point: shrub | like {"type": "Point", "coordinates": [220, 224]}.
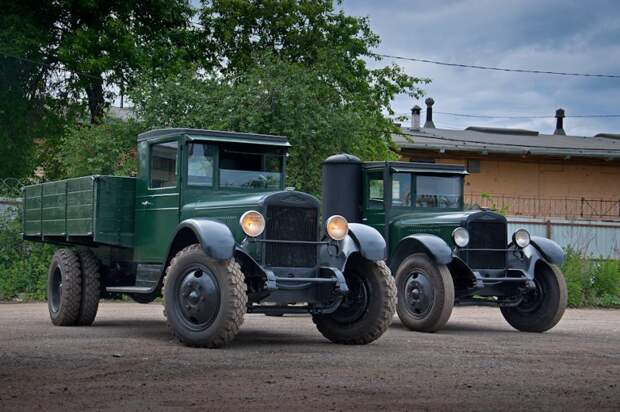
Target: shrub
{"type": "Point", "coordinates": [23, 264]}
{"type": "Point", "coordinates": [591, 282]}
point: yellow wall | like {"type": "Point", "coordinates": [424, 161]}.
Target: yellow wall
{"type": "Point", "coordinates": [537, 177]}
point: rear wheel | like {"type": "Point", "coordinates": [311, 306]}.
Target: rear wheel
{"type": "Point", "coordinates": [204, 299]}
{"type": "Point", "coordinates": [64, 288]}
{"type": "Point", "coordinates": [425, 293]}
{"type": "Point", "coordinates": [543, 307]}
{"type": "Point", "coordinates": [91, 290]}
{"type": "Point", "coordinates": [367, 310]}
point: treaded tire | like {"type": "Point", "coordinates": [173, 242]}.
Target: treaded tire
{"type": "Point", "coordinates": [547, 313]}
{"type": "Point", "coordinates": [378, 314]}
{"type": "Point", "coordinates": [443, 294]}
{"type": "Point", "coordinates": [232, 299]}
{"type": "Point", "coordinates": [91, 287]}
{"type": "Point", "coordinates": [64, 298]}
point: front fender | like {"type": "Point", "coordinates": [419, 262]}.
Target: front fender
{"type": "Point", "coordinates": [361, 239]}
{"type": "Point", "coordinates": [369, 241]}
{"type": "Point", "coordinates": [432, 245]}
{"type": "Point", "coordinates": [550, 250]}
{"type": "Point", "coordinates": [215, 237]}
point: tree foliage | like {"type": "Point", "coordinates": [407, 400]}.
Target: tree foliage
{"type": "Point", "coordinates": [293, 68]}
{"type": "Point", "coordinates": [88, 49]}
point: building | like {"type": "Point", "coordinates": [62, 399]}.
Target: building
{"type": "Point", "coordinates": [524, 172]}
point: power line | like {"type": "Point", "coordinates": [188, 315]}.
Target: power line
{"type": "Point", "coordinates": [499, 69]}
{"type": "Point", "coordinates": [484, 116]}
{"type": "Point", "coordinates": [41, 63]}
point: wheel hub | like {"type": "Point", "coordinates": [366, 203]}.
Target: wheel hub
{"type": "Point", "coordinates": [199, 297]}
{"type": "Point", "coordinates": [419, 294]}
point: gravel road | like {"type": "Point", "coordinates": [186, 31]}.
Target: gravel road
{"type": "Point", "coordinates": [127, 361]}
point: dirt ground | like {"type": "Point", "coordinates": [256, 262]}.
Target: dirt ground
{"type": "Point", "coordinates": [127, 361]}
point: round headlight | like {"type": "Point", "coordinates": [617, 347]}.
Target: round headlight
{"type": "Point", "coordinates": [460, 235]}
{"type": "Point", "coordinates": [337, 227]}
{"type": "Point", "coordinates": [252, 223]}
{"type": "Point", "coordinates": [521, 238]}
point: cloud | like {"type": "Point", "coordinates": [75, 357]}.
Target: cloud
{"type": "Point", "coordinates": [552, 35]}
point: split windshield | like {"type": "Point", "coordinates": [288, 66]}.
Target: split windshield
{"type": "Point", "coordinates": [238, 166]}
{"type": "Point", "coordinates": [426, 191]}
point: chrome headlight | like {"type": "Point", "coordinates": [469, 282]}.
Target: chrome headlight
{"type": "Point", "coordinates": [460, 235]}
{"type": "Point", "coordinates": [337, 227]}
{"type": "Point", "coordinates": [521, 238]}
{"type": "Point", "coordinates": [252, 223]}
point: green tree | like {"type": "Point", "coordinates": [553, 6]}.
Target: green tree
{"type": "Point", "coordinates": [275, 97]}
{"type": "Point", "coordinates": [88, 49]}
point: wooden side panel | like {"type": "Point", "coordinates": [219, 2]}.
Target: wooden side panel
{"type": "Point", "coordinates": [32, 210]}
{"type": "Point", "coordinates": [80, 206]}
{"type": "Point", "coordinates": [53, 210]}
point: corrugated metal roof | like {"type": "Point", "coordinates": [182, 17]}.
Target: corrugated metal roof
{"type": "Point", "coordinates": [518, 144]}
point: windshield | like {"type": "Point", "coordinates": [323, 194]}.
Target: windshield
{"type": "Point", "coordinates": [243, 168]}
{"type": "Point", "coordinates": [426, 191]}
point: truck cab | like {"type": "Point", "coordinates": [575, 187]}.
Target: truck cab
{"type": "Point", "coordinates": [443, 252]}
{"type": "Point", "coordinates": [209, 225]}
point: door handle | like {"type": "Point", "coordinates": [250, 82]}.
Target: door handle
{"type": "Point", "coordinates": [146, 203]}
{"type": "Point", "coordinates": [364, 219]}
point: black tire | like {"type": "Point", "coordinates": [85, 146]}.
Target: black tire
{"type": "Point", "coordinates": [367, 310]}
{"type": "Point", "coordinates": [425, 293]}
{"type": "Point", "coordinates": [64, 288]}
{"type": "Point", "coordinates": [543, 308]}
{"type": "Point", "coordinates": [204, 299]}
{"type": "Point", "coordinates": [91, 287]}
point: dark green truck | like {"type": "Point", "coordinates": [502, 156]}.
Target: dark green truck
{"type": "Point", "coordinates": [209, 224]}
{"type": "Point", "coordinates": [442, 253]}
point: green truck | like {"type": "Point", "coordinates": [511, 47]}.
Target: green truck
{"type": "Point", "coordinates": [442, 253]}
{"type": "Point", "coordinates": [209, 224]}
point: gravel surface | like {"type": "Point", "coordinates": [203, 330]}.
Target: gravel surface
{"type": "Point", "coordinates": [127, 361]}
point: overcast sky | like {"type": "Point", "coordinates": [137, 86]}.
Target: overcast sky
{"type": "Point", "coordinates": [575, 36]}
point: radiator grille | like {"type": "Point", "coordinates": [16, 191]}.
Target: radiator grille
{"type": "Point", "coordinates": [291, 223]}
{"type": "Point", "coordinates": [486, 235]}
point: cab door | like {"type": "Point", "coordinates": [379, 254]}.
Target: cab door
{"type": "Point", "coordinates": [157, 199]}
{"type": "Point", "coordinates": [373, 210]}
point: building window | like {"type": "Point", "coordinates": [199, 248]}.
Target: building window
{"type": "Point", "coordinates": [473, 165]}
{"type": "Point", "coordinates": [163, 165]}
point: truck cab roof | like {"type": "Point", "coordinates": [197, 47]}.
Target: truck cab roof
{"type": "Point", "coordinates": [417, 167]}
{"type": "Point", "coordinates": [215, 135]}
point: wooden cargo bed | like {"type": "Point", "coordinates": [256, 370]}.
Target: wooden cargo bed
{"type": "Point", "coordinates": [85, 210]}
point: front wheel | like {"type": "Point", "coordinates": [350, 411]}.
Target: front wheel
{"type": "Point", "coordinates": [367, 310]}
{"type": "Point", "coordinates": [425, 293]}
{"type": "Point", "coordinates": [204, 299]}
{"type": "Point", "coordinates": [543, 307]}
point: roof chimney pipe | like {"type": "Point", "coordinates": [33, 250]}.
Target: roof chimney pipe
{"type": "Point", "coordinates": [415, 117]}
{"type": "Point", "coordinates": [559, 123]}
{"type": "Point", "coordinates": [429, 113]}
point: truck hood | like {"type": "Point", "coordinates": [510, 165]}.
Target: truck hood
{"type": "Point", "coordinates": [454, 218]}
{"type": "Point", "coordinates": [224, 201]}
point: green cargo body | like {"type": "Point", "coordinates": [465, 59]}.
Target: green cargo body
{"type": "Point", "coordinates": [85, 210]}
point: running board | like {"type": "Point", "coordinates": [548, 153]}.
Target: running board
{"type": "Point", "coordinates": [129, 289]}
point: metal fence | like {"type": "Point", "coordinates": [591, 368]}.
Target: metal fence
{"type": "Point", "coordinates": [594, 238]}
{"type": "Point", "coordinates": [10, 188]}
{"type": "Point", "coordinates": [566, 208]}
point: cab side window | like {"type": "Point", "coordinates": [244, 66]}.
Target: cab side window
{"type": "Point", "coordinates": [200, 164]}
{"type": "Point", "coordinates": [163, 165]}
{"type": "Point", "coordinates": [375, 193]}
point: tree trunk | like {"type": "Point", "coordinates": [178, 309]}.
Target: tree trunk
{"type": "Point", "coordinates": [96, 101]}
